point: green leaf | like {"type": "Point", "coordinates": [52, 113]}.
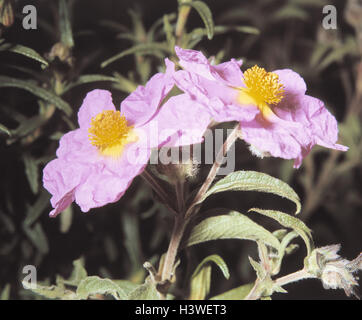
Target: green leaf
{"type": "Point", "coordinates": [146, 291]}
{"type": "Point", "coordinates": [66, 219]}
{"type": "Point", "coordinates": [78, 274]}
{"type": "Point", "coordinates": [254, 181]}
{"type": "Point", "coordinates": [349, 47]}
{"type": "Point", "coordinates": [218, 261]}
{"type": "Point", "coordinates": [205, 14]}
{"type": "Point", "coordinates": [96, 285]}
{"type": "Point", "coordinates": [126, 285]}
{"type": "Point", "coordinates": [310, 3]}
{"type": "Point", "coordinates": [154, 48]}
{"type": "Point", "coordinates": [201, 278]}
{"type": "Point", "coordinates": [286, 248]}
{"type": "Point", "coordinates": [132, 243]}
{"type": "Point", "coordinates": [4, 129]}
{"type": "Point", "coordinates": [88, 78]}
{"type": "Point", "coordinates": [26, 126]}
{"type": "Point", "coordinates": [37, 237]}
{"type": "Point", "coordinates": [195, 36]}
{"type": "Point", "coordinates": [152, 30]}
{"type": "Point", "coordinates": [288, 221]}
{"type": "Point", "coordinates": [235, 226]}
{"type": "Point", "coordinates": [200, 284]}
{"type": "Point", "coordinates": [167, 28]}
{"type": "Point", "coordinates": [35, 211]}
{"type": "Point", "coordinates": [7, 222]}
{"type": "Point", "coordinates": [38, 91]}
{"type": "Point", "coordinates": [260, 271]}
{"type": "Point", "coordinates": [238, 293]}
{"type": "Point", "coordinates": [5, 293]}
{"type": "Point", "coordinates": [31, 171]}
{"type": "Point", "coordinates": [52, 292]}
{"type": "Point", "coordinates": [291, 12]}
{"type": "Point", "coordinates": [65, 28]}
{"type": "Point", "coordinates": [6, 13]}
{"type": "Point", "coordinates": [200, 32]}
{"type": "Point", "coordinates": [319, 51]}
{"type": "Point", "coordinates": [124, 84]}
{"type": "Point", "coordinates": [25, 51]}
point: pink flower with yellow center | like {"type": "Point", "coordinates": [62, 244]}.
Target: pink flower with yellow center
{"type": "Point", "coordinates": [97, 162]}
{"type": "Point", "coordinates": [276, 117]}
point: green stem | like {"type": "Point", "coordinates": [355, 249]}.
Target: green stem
{"type": "Point", "coordinates": [257, 291]}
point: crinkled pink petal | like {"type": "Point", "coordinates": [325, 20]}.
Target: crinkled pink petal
{"type": "Point", "coordinates": [61, 178]}
{"type": "Point", "coordinates": [194, 61]}
{"type": "Point", "coordinates": [104, 186]}
{"type": "Point", "coordinates": [282, 141]}
{"type": "Point", "coordinates": [83, 174]}
{"type": "Point", "coordinates": [296, 124]}
{"type": "Point", "coordinates": [229, 73]}
{"type": "Point", "coordinates": [220, 100]}
{"type": "Point", "coordinates": [142, 104]}
{"type": "Point", "coordinates": [293, 83]}
{"type": "Point", "coordinates": [75, 146]}
{"type": "Point", "coordinates": [92, 180]}
{"type": "Point", "coordinates": [95, 102]}
{"type": "Point", "coordinates": [315, 118]}
{"type": "Point", "coordinates": [180, 121]}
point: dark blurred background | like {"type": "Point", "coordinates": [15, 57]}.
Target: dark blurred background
{"type": "Point", "coordinates": [115, 240]}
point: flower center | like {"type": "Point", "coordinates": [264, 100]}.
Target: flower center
{"type": "Point", "coordinates": [110, 132]}
{"type": "Point", "coordinates": [261, 87]}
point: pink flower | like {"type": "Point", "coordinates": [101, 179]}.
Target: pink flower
{"type": "Point", "coordinates": [97, 162]}
{"type": "Point", "coordinates": [276, 117]}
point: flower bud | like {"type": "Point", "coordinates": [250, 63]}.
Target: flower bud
{"type": "Point", "coordinates": [6, 13]}
{"type": "Point", "coordinates": [334, 271]}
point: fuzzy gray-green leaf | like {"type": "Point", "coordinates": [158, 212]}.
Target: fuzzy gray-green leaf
{"type": "Point", "coordinates": [96, 285]}
{"type": "Point", "coordinates": [236, 226]}
{"type": "Point", "coordinates": [218, 261]}
{"type": "Point", "coordinates": [201, 278]}
{"type": "Point", "coordinates": [38, 237]}
{"type": "Point", "coordinates": [66, 34]}
{"type": "Point", "coordinates": [5, 293]}
{"type": "Point", "coordinates": [78, 274]}
{"type": "Point", "coordinates": [4, 129]}
{"type": "Point", "coordinates": [143, 48]}
{"type": "Point", "coordinates": [205, 14]}
{"type": "Point", "coordinates": [89, 78]}
{"type": "Point", "coordinates": [254, 181]}
{"type": "Point", "coordinates": [25, 51]}
{"type": "Point", "coordinates": [34, 212]}
{"type": "Point", "coordinates": [31, 171]}
{"type": "Point", "coordinates": [146, 291]}
{"type": "Point", "coordinates": [288, 221]}
{"type": "Point", "coordinates": [36, 90]}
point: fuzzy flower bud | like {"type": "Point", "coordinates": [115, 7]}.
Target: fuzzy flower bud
{"type": "Point", "coordinates": [334, 271]}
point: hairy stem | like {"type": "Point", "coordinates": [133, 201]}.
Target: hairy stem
{"type": "Point", "coordinates": [214, 169]}
{"type": "Point", "coordinates": [177, 233]}
{"type": "Point", "coordinates": [179, 186]}
{"type": "Point", "coordinates": [293, 277]}
{"type": "Point", "coordinates": [257, 291]}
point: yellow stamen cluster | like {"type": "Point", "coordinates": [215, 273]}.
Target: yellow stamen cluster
{"type": "Point", "coordinates": [109, 130]}
{"type": "Point", "coordinates": [264, 87]}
